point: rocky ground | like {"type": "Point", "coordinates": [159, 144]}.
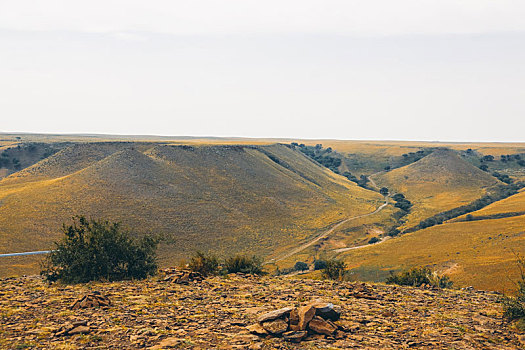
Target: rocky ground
{"type": "Point", "coordinates": [216, 313]}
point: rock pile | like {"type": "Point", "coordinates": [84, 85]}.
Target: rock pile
{"type": "Point", "coordinates": [94, 299]}
{"type": "Point", "coordinates": [182, 276]}
{"type": "Point", "coordinates": [295, 324]}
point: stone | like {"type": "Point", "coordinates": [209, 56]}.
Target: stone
{"type": "Point", "coordinates": [294, 337]}
{"type": "Point", "coordinates": [327, 311]}
{"type": "Point", "coordinates": [94, 299]}
{"type": "Point", "coordinates": [321, 326]}
{"type": "Point", "coordinates": [257, 329]}
{"type": "Point", "coordinates": [306, 313]}
{"type": "Point", "coordinates": [275, 327]}
{"type": "Point", "coordinates": [272, 315]}
{"type": "Point", "coordinates": [167, 343]}
{"type": "Point", "coordinates": [294, 317]}
{"type": "Point", "coordinates": [79, 330]}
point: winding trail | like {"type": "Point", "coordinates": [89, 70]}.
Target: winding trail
{"type": "Point", "coordinates": [326, 233]}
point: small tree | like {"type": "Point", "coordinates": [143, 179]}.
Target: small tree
{"type": "Point", "coordinates": [95, 250]}
{"type": "Point", "coordinates": [319, 264]}
{"type": "Point", "coordinates": [334, 270]}
{"type": "Point", "coordinates": [383, 191]}
{"type": "Point", "coordinates": [300, 266]}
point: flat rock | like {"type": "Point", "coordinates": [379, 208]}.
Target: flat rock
{"type": "Point", "coordinates": [272, 315]}
{"type": "Point", "coordinates": [167, 343]}
{"type": "Point", "coordinates": [294, 336]}
{"type": "Point", "coordinates": [276, 327]}
{"type": "Point", "coordinates": [320, 326]}
{"type": "Point", "coordinates": [79, 330]}
{"type": "Point", "coordinates": [257, 329]}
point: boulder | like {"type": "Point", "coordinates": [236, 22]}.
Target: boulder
{"type": "Point", "coordinates": [306, 314]}
{"type": "Point", "coordinates": [327, 311]}
{"type": "Point", "coordinates": [321, 326]}
{"type": "Point", "coordinates": [272, 315]}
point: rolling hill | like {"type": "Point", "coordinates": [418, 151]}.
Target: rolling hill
{"type": "Point", "coordinates": [438, 182]}
{"type": "Point", "coordinates": [255, 199]}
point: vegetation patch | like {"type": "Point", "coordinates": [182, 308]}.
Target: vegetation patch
{"type": "Point", "coordinates": [498, 193]}
{"type": "Point", "coordinates": [419, 276]}
{"type": "Point", "coordinates": [99, 250]}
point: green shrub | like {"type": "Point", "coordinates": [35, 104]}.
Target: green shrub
{"type": "Point", "coordinates": [334, 270]}
{"type": "Point", "coordinates": [204, 264]}
{"type": "Point", "coordinates": [99, 250]}
{"type": "Point", "coordinates": [514, 307]}
{"type": "Point", "coordinates": [244, 264]}
{"type": "Point", "coordinates": [319, 264]}
{"type": "Point", "coordinates": [300, 266]}
{"type": "Point", "coordinates": [373, 240]}
{"type": "Point", "coordinates": [418, 276]}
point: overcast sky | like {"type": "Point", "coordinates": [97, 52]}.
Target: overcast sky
{"type": "Point", "coordinates": [449, 70]}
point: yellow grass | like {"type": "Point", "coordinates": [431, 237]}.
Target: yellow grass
{"type": "Point", "coordinates": [477, 253]}
{"type": "Point", "coordinates": [223, 199]}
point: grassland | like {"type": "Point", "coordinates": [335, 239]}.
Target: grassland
{"type": "Point", "coordinates": [261, 197]}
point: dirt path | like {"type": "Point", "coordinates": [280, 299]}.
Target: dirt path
{"type": "Point", "coordinates": [326, 233]}
{"type": "Point", "coordinates": [341, 250]}
{"type": "Point", "coordinates": [26, 253]}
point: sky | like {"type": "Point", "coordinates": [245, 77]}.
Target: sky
{"type": "Point", "coordinates": [443, 70]}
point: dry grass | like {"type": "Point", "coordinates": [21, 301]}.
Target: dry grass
{"type": "Point", "coordinates": [478, 253]}
{"type": "Point", "coordinates": [226, 199]}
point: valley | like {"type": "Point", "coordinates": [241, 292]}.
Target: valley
{"type": "Point", "coordinates": [283, 200]}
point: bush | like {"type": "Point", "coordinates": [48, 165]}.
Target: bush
{"type": "Point", "coordinates": [418, 276]}
{"type": "Point", "coordinates": [300, 266]}
{"type": "Point", "coordinates": [244, 264]}
{"type": "Point", "coordinates": [319, 264]}
{"type": "Point", "coordinates": [514, 307]}
{"type": "Point", "coordinates": [99, 250]}
{"type": "Point", "coordinates": [334, 270]}
{"type": "Point", "coordinates": [204, 264]}
{"type": "Point", "coordinates": [373, 240]}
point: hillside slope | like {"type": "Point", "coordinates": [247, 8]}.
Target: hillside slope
{"type": "Point", "coordinates": [255, 199]}
{"type": "Point", "coordinates": [438, 182]}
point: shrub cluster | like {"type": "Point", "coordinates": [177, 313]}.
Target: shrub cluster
{"type": "Point", "coordinates": [419, 276]}
{"type": "Point", "coordinates": [514, 307]}
{"type": "Point", "coordinates": [204, 264]}
{"type": "Point", "coordinates": [244, 264]}
{"type": "Point", "coordinates": [99, 250]}
{"type": "Point", "coordinates": [208, 264]}
{"type": "Point", "coordinates": [334, 269]}
{"type": "Point", "coordinates": [324, 156]}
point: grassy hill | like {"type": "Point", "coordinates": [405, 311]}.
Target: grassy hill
{"type": "Point", "coordinates": [438, 182]}
{"type": "Point", "coordinates": [255, 199]}
{"type": "Point", "coordinates": [481, 252]}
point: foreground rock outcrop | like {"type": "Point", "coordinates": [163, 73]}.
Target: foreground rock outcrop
{"type": "Point", "coordinates": [294, 324]}
{"type": "Point", "coordinates": [245, 312]}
